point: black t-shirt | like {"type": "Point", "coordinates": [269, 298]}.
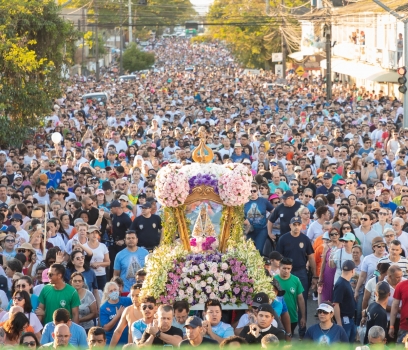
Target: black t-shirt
{"type": "Point", "coordinates": [376, 316]}
{"type": "Point", "coordinates": [285, 214]}
{"type": "Point", "coordinates": [158, 341]}
{"type": "Point", "coordinates": [252, 340]}
{"type": "Point", "coordinates": [205, 342]}
{"type": "Point", "coordinates": [120, 224]}
{"type": "Point", "coordinates": [296, 248]}
{"type": "Point", "coordinates": [344, 296]}
{"type": "Point", "coordinates": [312, 186]}
{"type": "Point", "coordinates": [147, 230]}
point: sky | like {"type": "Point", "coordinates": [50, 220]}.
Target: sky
{"type": "Point", "coordinates": [201, 5]}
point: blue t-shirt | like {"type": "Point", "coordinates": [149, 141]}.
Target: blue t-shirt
{"type": "Point", "coordinates": [336, 334]}
{"type": "Point", "coordinates": [54, 179]}
{"type": "Point", "coordinates": [34, 302]}
{"type": "Point", "coordinates": [89, 276]}
{"type": "Point", "coordinates": [78, 335]}
{"type": "Point", "coordinates": [94, 163]}
{"type": "Point", "coordinates": [390, 205]}
{"type": "Point", "coordinates": [108, 312]}
{"type": "Point", "coordinates": [255, 212]}
{"type": "Point", "coordinates": [223, 330]}
{"type": "Point", "coordinates": [128, 263]}
{"type": "Point", "coordinates": [283, 185]}
{"type": "Point", "coordinates": [238, 158]}
{"type": "Point", "coordinates": [138, 327]}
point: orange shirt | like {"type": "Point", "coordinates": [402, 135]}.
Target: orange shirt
{"type": "Point", "coordinates": [28, 329]}
{"type": "Point", "coordinates": [319, 258]}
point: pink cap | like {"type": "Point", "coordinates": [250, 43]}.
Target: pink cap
{"type": "Point", "coordinates": [273, 196]}
{"type": "Point", "coordinates": [98, 191]}
{"type": "Point", "coordinates": [122, 154]}
{"type": "Point", "coordinates": [45, 276]}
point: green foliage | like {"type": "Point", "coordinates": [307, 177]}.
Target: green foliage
{"type": "Point", "coordinates": [34, 48]}
{"type": "Point", "coordinates": [253, 36]}
{"type": "Point", "coordinates": [135, 59]}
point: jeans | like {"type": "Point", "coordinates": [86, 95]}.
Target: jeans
{"type": "Point", "coordinates": [101, 280]}
{"type": "Point", "coordinates": [259, 236]}
{"type": "Point", "coordinates": [350, 329]}
{"type": "Point", "coordinates": [401, 334]}
{"type": "Point", "coordinates": [359, 309]}
{"type": "Point", "coordinates": [304, 279]}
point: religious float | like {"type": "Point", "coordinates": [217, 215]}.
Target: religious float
{"type": "Point", "coordinates": [204, 254]}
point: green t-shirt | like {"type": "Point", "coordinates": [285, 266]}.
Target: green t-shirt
{"type": "Point", "coordinates": [53, 299]}
{"type": "Point", "coordinates": [293, 288]}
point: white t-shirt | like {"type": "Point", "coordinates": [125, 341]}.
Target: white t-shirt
{"type": "Point", "coordinates": [3, 300]}
{"type": "Point", "coordinates": [98, 256]}
{"type": "Point", "coordinates": [315, 230]}
{"type": "Point", "coordinates": [22, 234]}
{"type": "Point", "coordinates": [339, 257]}
{"type": "Point", "coordinates": [32, 317]}
{"type": "Point", "coordinates": [57, 241]}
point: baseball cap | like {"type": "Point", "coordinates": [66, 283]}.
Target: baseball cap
{"type": "Point", "coordinates": [45, 276]}
{"type": "Point", "coordinates": [401, 208]}
{"type": "Point", "coordinates": [326, 235]}
{"type": "Point", "coordinates": [348, 237]}
{"type": "Point", "coordinates": [12, 229]}
{"type": "Point", "coordinates": [277, 285]}
{"type": "Point", "coordinates": [325, 307]}
{"type": "Point", "coordinates": [246, 161]}
{"type": "Point", "coordinates": [399, 162]}
{"type": "Point", "coordinates": [273, 196]}
{"type": "Point", "coordinates": [259, 299]}
{"type": "Point", "coordinates": [287, 194]}
{"type": "Point", "coordinates": [266, 307]}
{"type": "Point", "coordinates": [348, 265]}
{"type": "Point", "coordinates": [115, 204]}
{"type": "Point", "coordinates": [147, 205]}
{"type": "Point", "coordinates": [385, 190]}
{"type": "Point", "coordinates": [93, 228]}
{"type": "Point", "coordinates": [295, 220]}
{"type": "Point", "coordinates": [193, 322]}
{"type": "Point", "coordinates": [266, 260]}
{"type": "Point", "coordinates": [124, 198]}
{"type": "Point", "coordinates": [327, 176]}
{"type": "Point", "coordinates": [375, 206]}
{"type": "Point", "coordinates": [99, 191]}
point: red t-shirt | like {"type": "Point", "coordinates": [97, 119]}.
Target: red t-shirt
{"type": "Point", "coordinates": [401, 293]}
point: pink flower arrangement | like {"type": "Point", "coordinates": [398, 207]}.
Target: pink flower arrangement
{"type": "Point", "coordinates": [235, 185]}
{"type": "Point", "coordinates": [203, 244]}
{"type": "Point", "coordinates": [199, 277]}
{"type": "Point", "coordinates": [172, 187]}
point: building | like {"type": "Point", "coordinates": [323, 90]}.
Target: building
{"type": "Point", "coordinates": [367, 43]}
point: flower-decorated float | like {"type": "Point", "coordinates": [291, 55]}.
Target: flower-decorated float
{"type": "Point", "coordinates": [203, 254]}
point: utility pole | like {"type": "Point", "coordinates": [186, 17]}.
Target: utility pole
{"type": "Point", "coordinates": [327, 28]}
{"type": "Point", "coordinates": [130, 21]}
{"type": "Point", "coordinates": [267, 7]}
{"type": "Point", "coordinates": [405, 48]}
{"type": "Point", "coordinates": [96, 44]}
{"type": "Point", "coordinates": [121, 39]}
{"type": "Point", "coordinates": [283, 45]}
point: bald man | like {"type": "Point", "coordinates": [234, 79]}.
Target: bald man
{"type": "Point", "coordinates": [61, 336]}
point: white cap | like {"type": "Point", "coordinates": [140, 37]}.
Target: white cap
{"type": "Point", "coordinates": [325, 307]}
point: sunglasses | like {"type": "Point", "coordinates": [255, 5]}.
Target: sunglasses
{"type": "Point", "coordinates": [364, 219]}
{"type": "Point", "coordinates": [350, 183]}
{"type": "Point", "coordinates": [308, 196]}
{"type": "Point", "coordinates": [343, 214]}
{"type": "Point", "coordinates": [333, 234]}
{"type": "Point", "coordinates": [150, 307]}
{"type": "Point", "coordinates": [21, 250]}
{"type": "Point", "coordinates": [21, 286]}
{"type": "Point", "coordinates": [277, 202]}
{"type": "Point", "coordinates": [254, 191]}
{"type": "Point", "coordinates": [322, 312]}
{"type": "Point", "coordinates": [9, 240]}
{"type": "Point", "coordinates": [18, 298]}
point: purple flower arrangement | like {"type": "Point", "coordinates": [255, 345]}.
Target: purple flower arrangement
{"type": "Point", "coordinates": [204, 179]}
{"type": "Point", "coordinates": [199, 277]}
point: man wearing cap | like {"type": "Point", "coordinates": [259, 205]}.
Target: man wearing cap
{"type": "Point", "coordinates": [376, 313]}
{"type": "Point", "coordinates": [120, 224]}
{"type": "Point", "coordinates": [254, 332]}
{"type": "Point", "coordinates": [298, 247]}
{"type": "Point", "coordinates": [237, 156]}
{"type": "Point", "coordinates": [195, 335]}
{"type": "Point", "coordinates": [148, 228]}
{"type": "Point", "coordinates": [326, 332]}
{"type": "Point", "coordinates": [124, 202]}
{"type": "Point", "coordinates": [284, 212]}
{"type": "Point", "coordinates": [385, 200]}
{"type": "Point", "coordinates": [327, 185]}
{"type": "Point", "coordinates": [344, 302]}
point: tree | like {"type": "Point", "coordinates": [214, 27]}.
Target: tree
{"type": "Point", "coordinates": [250, 33]}
{"type": "Point", "coordinates": [34, 46]}
{"type": "Point", "coordinates": [135, 59]}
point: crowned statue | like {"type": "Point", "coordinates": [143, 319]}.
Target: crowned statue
{"type": "Point", "coordinates": [203, 235]}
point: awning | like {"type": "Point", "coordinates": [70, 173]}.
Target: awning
{"type": "Point", "coordinates": [361, 70]}
{"type": "Point", "coordinates": [297, 56]}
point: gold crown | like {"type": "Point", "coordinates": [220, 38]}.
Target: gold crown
{"type": "Point", "coordinates": [203, 153]}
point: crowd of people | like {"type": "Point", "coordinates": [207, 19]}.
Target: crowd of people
{"type": "Point", "coordinates": [327, 211]}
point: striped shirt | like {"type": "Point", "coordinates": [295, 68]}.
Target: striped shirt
{"type": "Point", "coordinates": [402, 263]}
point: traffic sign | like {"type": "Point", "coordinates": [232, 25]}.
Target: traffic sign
{"type": "Point", "coordinates": [277, 57]}
{"type": "Point", "coordinates": [300, 71]}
